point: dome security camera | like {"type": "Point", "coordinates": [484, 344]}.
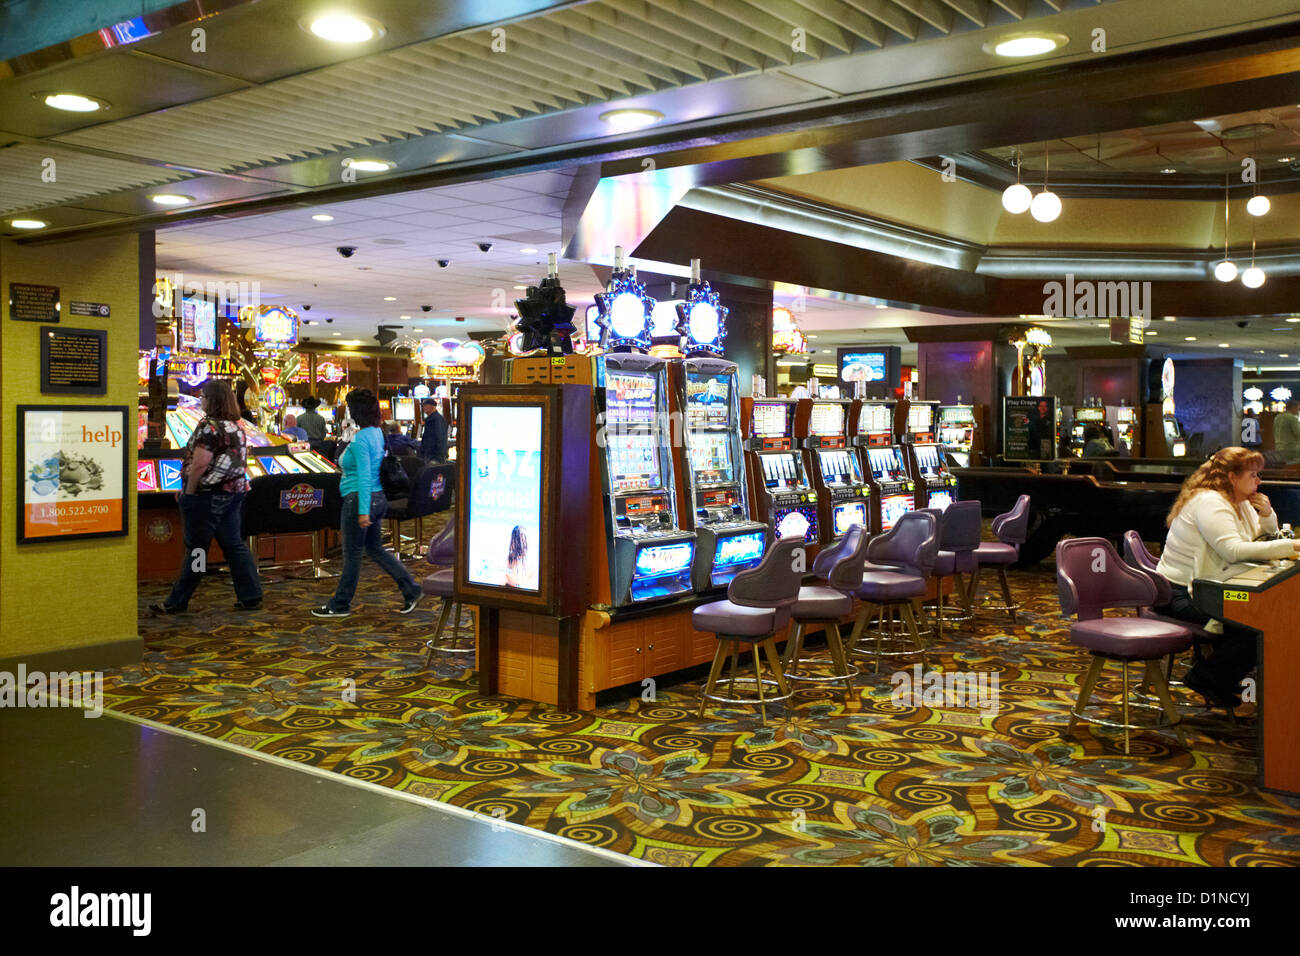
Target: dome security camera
{"type": "Point", "coordinates": [426, 308]}
{"type": "Point", "coordinates": [329, 320]}
{"type": "Point", "coordinates": [1242, 324]}
{"type": "Point", "coordinates": [484, 246]}
{"type": "Point", "coordinates": [347, 252]}
{"type": "Point", "coordinates": [444, 263]}
{"type": "Point", "coordinates": [306, 307]}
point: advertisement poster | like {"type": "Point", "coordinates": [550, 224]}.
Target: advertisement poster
{"type": "Point", "coordinates": [505, 496]}
{"type": "Point", "coordinates": [72, 471]}
{"type": "Point", "coordinates": [1029, 428]}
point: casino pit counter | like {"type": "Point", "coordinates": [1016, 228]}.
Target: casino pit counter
{"type": "Point", "coordinates": [158, 479]}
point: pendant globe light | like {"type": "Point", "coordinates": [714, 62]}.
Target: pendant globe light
{"type": "Point", "coordinates": [1253, 277]}
{"type": "Point", "coordinates": [1258, 205]}
{"type": "Point", "coordinates": [1017, 197]}
{"type": "Point", "coordinates": [1226, 270]}
{"type": "Point", "coordinates": [1046, 206]}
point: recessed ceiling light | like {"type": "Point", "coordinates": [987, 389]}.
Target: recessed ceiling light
{"type": "Point", "coordinates": [1189, 338]}
{"type": "Point", "coordinates": [404, 318]}
{"type": "Point", "coordinates": [523, 287]}
{"type": "Point", "coordinates": [1283, 354]}
{"type": "Point", "coordinates": [336, 333]}
{"type": "Point", "coordinates": [1027, 44]}
{"type": "Point", "coordinates": [881, 305]}
{"type": "Point", "coordinates": [345, 28]}
{"type": "Point", "coordinates": [1287, 159]}
{"type": "Point", "coordinates": [390, 298]}
{"type": "Point", "coordinates": [1294, 319]}
{"type": "Point", "coordinates": [73, 102]}
{"type": "Point", "coordinates": [1168, 169]}
{"type": "Point", "coordinates": [28, 223]}
{"type": "Point", "coordinates": [1171, 318]}
{"type": "Point", "coordinates": [529, 251]}
{"type": "Point", "coordinates": [1224, 345]}
{"type": "Point", "coordinates": [631, 118]}
{"type": "Point", "coordinates": [369, 165]}
{"type": "Point", "coordinates": [171, 199]}
{"type": "Point", "coordinates": [1152, 332]}
{"type": "Point", "coordinates": [1259, 351]}
{"type": "Point", "coordinates": [323, 217]}
{"type": "Point", "coordinates": [418, 330]}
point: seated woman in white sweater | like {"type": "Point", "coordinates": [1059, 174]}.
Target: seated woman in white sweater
{"type": "Point", "coordinates": [1213, 525]}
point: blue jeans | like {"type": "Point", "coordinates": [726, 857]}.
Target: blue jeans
{"type": "Point", "coordinates": [207, 516]}
{"type": "Point", "coordinates": [357, 539]}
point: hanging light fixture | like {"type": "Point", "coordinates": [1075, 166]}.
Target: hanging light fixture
{"type": "Point", "coordinates": [1016, 198]}
{"type": "Point", "coordinates": [1253, 277]}
{"type": "Point", "coordinates": [1258, 205]}
{"type": "Point", "coordinates": [1046, 206]}
{"type": "Point", "coordinates": [1226, 270]}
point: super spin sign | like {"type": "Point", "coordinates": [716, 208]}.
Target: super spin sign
{"type": "Point", "coordinates": [277, 327]}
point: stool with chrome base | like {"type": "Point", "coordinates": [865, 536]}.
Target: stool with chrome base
{"type": "Point", "coordinates": [959, 536]}
{"type": "Point", "coordinates": [911, 546]}
{"type": "Point", "coordinates": [758, 605]}
{"type": "Point", "coordinates": [442, 584]}
{"type": "Point", "coordinates": [1011, 529]}
{"type": "Point", "coordinates": [840, 566]}
{"type": "Point", "coordinates": [1091, 578]}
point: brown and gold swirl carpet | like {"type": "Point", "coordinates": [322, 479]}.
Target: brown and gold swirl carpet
{"type": "Point", "coordinates": [875, 784]}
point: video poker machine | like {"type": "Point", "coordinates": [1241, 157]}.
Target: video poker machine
{"type": "Point", "coordinates": [650, 558]}
{"type": "Point", "coordinates": [884, 465]}
{"type": "Point", "coordinates": [728, 539]}
{"type": "Point", "coordinates": [843, 496]}
{"type": "Point", "coordinates": [936, 486]}
{"type": "Point", "coordinates": [781, 490]}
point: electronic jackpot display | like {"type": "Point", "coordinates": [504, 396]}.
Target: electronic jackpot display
{"type": "Point", "coordinates": [783, 495]}
{"type": "Point", "coordinates": [936, 487]}
{"type": "Point", "coordinates": [957, 428]}
{"type": "Point", "coordinates": [729, 540]}
{"type": "Point", "coordinates": [650, 557]}
{"type": "Point", "coordinates": [842, 494]}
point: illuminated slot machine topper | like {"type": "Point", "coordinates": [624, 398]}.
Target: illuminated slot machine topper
{"type": "Point", "coordinates": [772, 424]}
{"type": "Point", "coordinates": [920, 422]}
{"type": "Point", "coordinates": [650, 557]}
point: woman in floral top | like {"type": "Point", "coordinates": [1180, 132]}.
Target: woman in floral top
{"type": "Point", "coordinates": [215, 481]}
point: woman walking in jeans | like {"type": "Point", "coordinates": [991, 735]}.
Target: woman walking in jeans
{"type": "Point", "coordinates": [215, 482]}
{"type": "Point", "coordinates": [364, 505]}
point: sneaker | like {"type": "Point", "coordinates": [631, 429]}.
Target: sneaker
{"type": "Point", "coordinates": [248, 605]}
{"type": "Point", "coordinates": [164, 609]}
{"type": "Point", "coordinates": [327, 611]}
{"type": "Point", "coordinates": [412, 604]}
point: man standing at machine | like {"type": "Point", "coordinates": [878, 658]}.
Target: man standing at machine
{"type": "Point", "coordinates": [1286, 433]}
{"type": "Point", "coordinates": [312, 421]}
{"type": "Point", "coordinates": [433, 440]}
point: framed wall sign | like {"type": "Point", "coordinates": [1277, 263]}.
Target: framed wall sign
{"type": "Point", "coordinates": [74, 361]}
{"type": "Point", "coordinates": [72, 477]}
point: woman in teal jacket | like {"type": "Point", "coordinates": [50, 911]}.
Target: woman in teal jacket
{"type": "Point", "coordinates": [364, 505]}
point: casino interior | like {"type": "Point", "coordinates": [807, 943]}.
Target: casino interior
{"type": "Point", "coordinates": [818, 376]}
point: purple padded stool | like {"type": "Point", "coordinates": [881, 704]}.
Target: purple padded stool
{"type": "Point", "coordinates": [959, 536]}
{"type": "Point", "coordinates": [911, 546]}
{"type": "Point", "coordinates": [1090, 578]}
{"type": "Point", "coordinates": [758, 605]}
{"type": "Point", "coordinates": [840, 566]}
{"type": "Point", "coordinates": [441, 584]}
{"type": "Point", "coordinates": [1011, 529]}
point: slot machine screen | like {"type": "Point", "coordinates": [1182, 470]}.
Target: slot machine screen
{"type": "Point", "coordinates": [781, 471]}
{"type": "Point", "coordinates": [927, 459]}
{"type": "Point", "coordinates": [404, 409]}
{"type": "Point", "coordinates": [798, 522]}
{"type": "Point", "coordinates": [169, 474]}
{"type": "Point", "coordinates": [893, 507]}
{"type": "Point", "coordinates": [254, 469]}
{"type": "Point", "coordinates": [658, 560]}
{"type": "Point", "coordinates": [708, 399]}
{"type": "Point", "coordinates": [739, 549]}
{"type": "Point", "coordinates": [633, 460]}
{"type": "Point", "coordinates": [629, 397]}
{"type": "Point", "coordinates": [198, 327]}
{"type": "Point", "coordinates": [939, 499]}
{"type": "Point", "coordinates": [711, 457]}
{"type": "Point", "coordinates": [272, 465]}
{"type": "Point", "coordinates": [920, 418]}
{"type": "Point", "coordinates": [839, 467]}
{"type": "Point", "coordinates": [827, 419]}
{"type": "Point", "coordinates": [847, 515]}
{"type": "Point", "coordinates": [886, 464]}
{"type": "Point", "coordinates": [146, 476]}
{"type": "Point", "coordinates": [292, 467]}
{"type": "Point", "coordinates": [769, 420]}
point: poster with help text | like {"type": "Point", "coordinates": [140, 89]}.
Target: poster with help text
{"type": "Point", "coordinates": [72, 471]}
{"type": "Point", "coordinates": [505, 496]}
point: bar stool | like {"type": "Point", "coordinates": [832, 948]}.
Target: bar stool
{"type": "Point", "coordinates": [840, 566]}
{"type": "Point", "coordinates": [959, 536]}
{"type": "Point", "coordinates": [911, 545]}
{"type": "Point", "coordinates": [442, 584]}
{"type": "Point", "coordinates": [1011, 529]}
{"type": "Point", "coordinates": [757, 605]}
{"type": "Point", "coordinates": [1091, 578]}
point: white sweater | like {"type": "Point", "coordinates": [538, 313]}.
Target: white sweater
{"type": "Point", "coordinates": [1209, 535]}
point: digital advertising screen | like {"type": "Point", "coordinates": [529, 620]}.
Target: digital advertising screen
{"type": "Point", "coordinates": [847, 515]}
{"type": "Point", "coordinates": [769, 420]}
{"type": "Point", "coordinates": [198, 323]}
{"type": "Point", "coordinates": [839, 467]}
{"type": "Point", "coordinates": [505, 496]}
{"type": "Point", "coordinates": [711, 456]}
{"type": "Point", "coordinates": [863, 366]}
{"type": "Point", "coordinates": [827, 419]}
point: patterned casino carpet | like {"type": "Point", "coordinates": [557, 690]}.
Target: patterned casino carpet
{"type": "Point", "coordinates": [872, 785]}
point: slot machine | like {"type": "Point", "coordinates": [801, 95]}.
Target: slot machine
{"type": "Point", "coordinates": [842, 494]}
{"type": "Point", "coordinates": [935, 485]}
{"type": "Point", "coordinates": [958, 428]}
{"type": "Point", "coordinates": [650, 558]}
{"type": "Point", "coordinates": [892, 490]}
{"type": "Point", "coordinates": [783, 496]}
{"type": "Point", "coordinates": [1085, 415]}
{"type": "Point", "coordinates": [1125, 428]}
{"type": "Point", "coordinates": [728, 539]}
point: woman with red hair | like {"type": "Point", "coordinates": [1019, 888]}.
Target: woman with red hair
{"type": "Point", "coordinates": [1212, 526]}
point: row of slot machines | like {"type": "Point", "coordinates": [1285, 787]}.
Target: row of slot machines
{"type": "Point", "coordinates": [697, 484]}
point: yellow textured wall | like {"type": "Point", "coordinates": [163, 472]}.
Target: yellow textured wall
{"type": "Point", "coordinates": [59, 596]}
